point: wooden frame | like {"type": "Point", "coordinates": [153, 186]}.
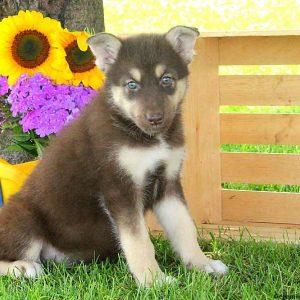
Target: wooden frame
{"type": "Point", "coordinates": [265, 214]}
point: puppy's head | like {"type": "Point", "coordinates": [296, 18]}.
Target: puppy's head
{"type": "Point", "coordinates": [146, 74]}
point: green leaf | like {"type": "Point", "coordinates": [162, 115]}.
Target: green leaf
{"type": "Point", "coordinates": [9, 125]}
{"type": "Point", "coordinates": [28, 146]}
{"type": "Point", "coordinates": [20, 147]}
{"type": "Point", "coordinates": [18, 130]}
{"type": "Point", "coordinates": [44, 141]}
{"type": "Point", "coordinates": [14, 147]}
{"type": "Point", "coordinates": [39, 147]}
{"type": "Point", "coordinates": [32, 134]}
{"type": "Point", "coordinates": [21, 137]}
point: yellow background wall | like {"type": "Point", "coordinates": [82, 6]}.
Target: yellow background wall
{"type": "Point", "coordinates": [159, 15]}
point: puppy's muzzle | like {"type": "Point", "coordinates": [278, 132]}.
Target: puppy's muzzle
{"type": "Point", "coordinates": [155, 119]}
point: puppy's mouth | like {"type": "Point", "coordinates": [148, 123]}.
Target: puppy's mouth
{"type": "Point", "coordinates": [153, 129]}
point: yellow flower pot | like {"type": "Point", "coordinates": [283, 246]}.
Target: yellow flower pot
{"type": "Point", "coordinates": [12, 177]}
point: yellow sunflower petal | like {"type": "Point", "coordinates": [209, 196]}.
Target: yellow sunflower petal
{"type": "Point", "coordinates": [6, 27]}
{"type": "Point", "coordinates": [8, 67]}
{"type": "Point", "coordinates": [81, 60]}
{"type": "Point", "coordinates": [81, 41]}
{"type": "Point", "coordinates": [19, 23]}
{"type": "Point", "coordinates": [33, 26]}
{"type": "Point", "coordinates": [95, 82]}
{"type": "Point", "coordinates": [58, 64]}
{"type": "Point", "coordinates": [13, 78]}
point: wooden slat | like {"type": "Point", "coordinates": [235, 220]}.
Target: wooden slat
{"type": "Point", "coordinates": [261, 168]}
{"type": "Point", "coordinates": [259, 50]}
{"type": "Point", "coordinates": [270, 129]}
{"type": "Point", "coordinates": [202, 176]}
{"type": "Point", "coordinates": [270, 207]}
{"type": "Point", "coordinates": [249, 33]}
{"type": "Point", "coordinates": [260, 90]}
{"type": "Point", "coordinates": [248, 230]}
{"type": "Point", "coordinates": [241, 230]}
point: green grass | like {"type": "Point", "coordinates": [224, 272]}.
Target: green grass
{"type": "Point", "coordinates": [264, 270]}
{"type": "Point", "coordinates": [260, 109]}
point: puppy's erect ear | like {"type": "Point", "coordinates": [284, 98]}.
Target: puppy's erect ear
{"type": "Point", "coordinates": [183, 41]}
{"type": "Point", "coordinates": [105, 47]}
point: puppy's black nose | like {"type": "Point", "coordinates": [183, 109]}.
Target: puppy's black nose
{"type": "Point", "coordinates": [155, 118]}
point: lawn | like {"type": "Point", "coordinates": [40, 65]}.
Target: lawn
{"type": "Point", "coordinates": [264, 270]}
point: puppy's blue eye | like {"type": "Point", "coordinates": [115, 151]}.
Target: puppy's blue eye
{"type": "Point", "coordinates": [167, 81]}
{"type": "Point", "coordinates": [132, 85]}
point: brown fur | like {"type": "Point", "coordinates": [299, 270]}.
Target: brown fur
{"type": "Point", "coordinates": [59, 203]}
{"type": "Point", "coordinates": [87, 196]}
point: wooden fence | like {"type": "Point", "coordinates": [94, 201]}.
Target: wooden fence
{"type": "Point", "coordinates": [267, 214]}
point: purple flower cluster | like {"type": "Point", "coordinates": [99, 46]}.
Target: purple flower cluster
{"type": "Point", "coordinates": [4, 88]}
{"type": "Point", "coordinates": [44, 106]}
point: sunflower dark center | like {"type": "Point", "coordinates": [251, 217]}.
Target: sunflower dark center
{"type": "Point", "coordinates": [30, 48]}
{"type": "Point", "coordinates": [79, 61]}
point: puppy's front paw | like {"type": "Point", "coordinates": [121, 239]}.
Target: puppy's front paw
{"type": "Point", "coordinates": [164, 279]}
{"type": "Point", "coordinates": [210, 266]}
{"type": "Point", "coordinates": [29, 269]}
{"type": "Point", "coordinates": [214, 267]}
{"type": "Point", "coordinates": [219, 268]}
{"type": "Point", "coordinates": [158, 279]}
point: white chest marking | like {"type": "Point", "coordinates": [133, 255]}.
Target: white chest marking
{"type": "Point", "coordinates": [140, 160]}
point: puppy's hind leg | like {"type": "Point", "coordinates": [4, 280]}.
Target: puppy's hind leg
{"type": "Point", "coordinates": [19, 246]}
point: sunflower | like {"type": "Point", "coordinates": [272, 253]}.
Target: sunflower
{"type": "Point", "coordinates": [80, 59]}
{"type": "Point", "coordinates": [27, 47]}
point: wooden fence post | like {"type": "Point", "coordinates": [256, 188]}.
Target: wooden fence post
{"type": "Point", "coordinates": [202, 170]}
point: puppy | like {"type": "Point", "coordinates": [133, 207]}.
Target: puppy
{"type": "Point", "coordinates": [88, 195]}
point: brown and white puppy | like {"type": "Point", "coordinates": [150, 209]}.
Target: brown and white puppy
{"type": "Point", "coordinates": [121, 157]}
